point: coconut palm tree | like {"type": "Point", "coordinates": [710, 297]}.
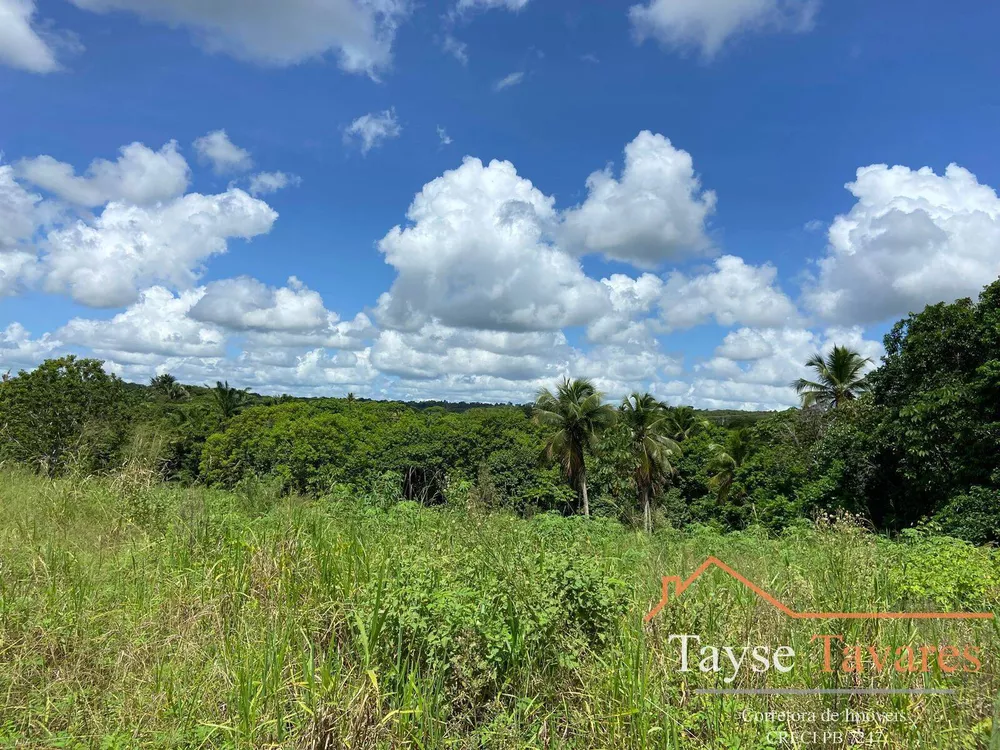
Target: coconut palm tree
{"type": "Point", "coordinates": [166, 385]}
{"type": "Point", "coordinates": [653, 450]}
{"type": "Point", "coordinates": [684, 423]}
{"type": "Point", "coordinates": [575, 417]}
{"type": "Point", "coordinates": [228, 400]}
{"type": "Point", "coordinates": [840, 380]}
{"type": "Point", "coordinates": [726, 460]}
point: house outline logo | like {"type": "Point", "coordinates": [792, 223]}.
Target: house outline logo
{"type": "Point", "coordinates": [710, 562]}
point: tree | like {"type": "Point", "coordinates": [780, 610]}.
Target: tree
{"type": "Point", "coordinates": [67, 412]}
{"type": "Point", "coordinates": [726, 460]}
{"type": "Point", "coordinates": [841, 378]}
{"type": "Point", "coordinates": [937, 399]}
{"type": "Point", "coordinates": [575, 417]}
{"type": "Point", "coordinates": [684, 422]}
{"type": "Point", "coordinates": [653, 451]}
{"type": "Point", "coordinates": [229, 400]}
{"type": "Point", "coordinates": [166, 386]}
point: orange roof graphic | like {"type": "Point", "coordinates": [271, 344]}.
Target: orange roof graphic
{"type": "Point", "coordinates": [681, 586]}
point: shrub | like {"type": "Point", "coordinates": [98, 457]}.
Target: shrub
{"type": "Point", "coordinates": [973, 516]}
{"type": "Point", "coordinates": [67, 413]}
{"type": "Point", "coordinates": [951, 573]}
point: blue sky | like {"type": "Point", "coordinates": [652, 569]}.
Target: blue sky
{"type": "Point", "coordinates": [706, 274]}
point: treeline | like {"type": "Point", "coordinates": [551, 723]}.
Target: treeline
{"type": "Point", "coordinates": [915, 440]}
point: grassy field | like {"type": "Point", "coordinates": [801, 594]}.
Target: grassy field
{"type": "Point", "coordinates": [142, 615]}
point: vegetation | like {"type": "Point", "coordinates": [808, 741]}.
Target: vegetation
{"type": "Point", "coordinates": [139, 614]}
{"type": "Point", "coordinates": [914, 439]}
{"type": "Point", "coordinates": [841, 378]}
{"type": "Point", "coordinates": [652, 450]}
{"type": "Point", "coordinates": [575, 416]}
{"type": "Point", "coordinates": [183, 565]}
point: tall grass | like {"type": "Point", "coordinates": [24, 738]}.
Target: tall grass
{"type": "Point", "coordinates": [134, 614]}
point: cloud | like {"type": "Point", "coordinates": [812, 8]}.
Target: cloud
{"type": "Point", "coordinates": [20, 216]}
{"type": "Point", "coordinates": [16, 268]}
{"type": "Point", "coordinates": [158, 324]}
{"type": "Point", "coordinates": [437, 360]}
{"type": "Point", "coordinates": [655, 212]}
{"type": "Point", "coordinates": [707, 24]}
{"type": "Point", "coordinates": [245, 304]}
{"type": "Point", "coordinates": [336, 334]}
{"type": "Point", "coordinates": [752, 367]}
{"type": "Point", "coordinates": [514, 5]}
{"type": "Point", "coordinates": [443, 136]}
{"type": "Point", "coordinates": [373, 129]}
{"type": "Point", "coordinates": [224, 156]}
{"type": "Point", "coordinates": [140, 176]}
{"type": "Point", "coordinates": [631, 300]}
{"type": "Point", "coordinates": [459, 50]}
{"type": "Point", "coordinates": [360, 33]}
{"type": "Point", "coordinates": [733, 293]}
{"type": "Point", "coordinates": [19, 211]}
{"type": "Point", "coordinates": [265, 183]}
{"type": "Point", "coordinates": [21, 44]}
{"type": "Point", "coordinates": [435, 350]}
{"type": "Point", "coordinates": [913, 238]}
{"type": "Point", "coordinates": [18, 348]}
{"type": "Point", "coordinates": [777, 356]}
{"type": "Point", "coordinates": [490, 300]}
{"type": "Point", "coordinates": [104, 262]}
{"type": "Point", "coordinates": [509, 80]}
{"type": "Point", "coordinates": [476, 256]}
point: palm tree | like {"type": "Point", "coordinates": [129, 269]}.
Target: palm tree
{"type": "Point", "coordinates": [840, 379]}
{"type": "Point", "coordinates": [166, 385]}
{"type": "Point", "coordinates": [576, 417]}
{"type": "Point", "coordinates": [684, 423]}
{"type": "Point", "coordinates": [228, 400]}
{"type": "Point", "coordinates": [727, 459]}
{"type": "Point", "coordinates": [176, 392]}
{"type": "Point", "coordinates": [653, 450]}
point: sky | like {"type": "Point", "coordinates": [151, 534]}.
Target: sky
{"type": "Point", "coordinates": [471, 199]}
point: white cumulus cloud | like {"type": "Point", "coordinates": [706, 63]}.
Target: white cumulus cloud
{"type": "Point", "coordinates": [475, 255]}
{"type": "Point", "coordinates": [224, 155]}
{"type": "Point", "coordinates": [22, 44]}
{"type": "Point", "coordinates": [734, 293]}
{"type": "Point", "coordinates": [655, 212]}
{"type": "Point", "coordinates": [265, 183]}
{"type": "Point", "coordinates": [707, 24]}
{"type": "Point", "coordinates": [140, 176]}
{"type": "Point", "coordinates": [913, 238]}
{"type": "Point", "coordinates": [104, 262]}
{"type": "Point", "coordinates": [19, 349]}
{"type": "Point", "coordinates": [359, 32]}
{"type": "Point", "coordinates": [157, 325]}
{"type": "Point", "coordinates": [246, 304]}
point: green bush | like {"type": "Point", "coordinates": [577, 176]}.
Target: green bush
{"type": "Point", "coordinates": [973, 516]}
{"type": "Point", "coordinates": [951, 573]}
{"type": "Point", "coordinates": [66, 414]}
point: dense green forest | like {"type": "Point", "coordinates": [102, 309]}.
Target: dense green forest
{"type": "Point", "coordinates": [915, 441]}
